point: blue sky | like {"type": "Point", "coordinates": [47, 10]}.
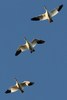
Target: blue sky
{"type": "Point", "coordinates": [47, 67]}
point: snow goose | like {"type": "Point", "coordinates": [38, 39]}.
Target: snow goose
{"type": "Point", "coordinates": [48, 15]}
{"type": "Point", "coordinates": [29, 45]}
{"type": "Point", "coordinates": [19, 86]}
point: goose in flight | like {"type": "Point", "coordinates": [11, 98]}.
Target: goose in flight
{"type": "Point", "coordinates": [48, 15]}
{"type": "Point", "coordinates": [29, 45]}
{"type": "Point", "coordinates": [19, 86]}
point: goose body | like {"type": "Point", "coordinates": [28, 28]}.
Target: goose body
{"type": "Point", "coordinates": [19, 86]}
{"type": "Point", "coordinates": [48, 15]}
{"type": "Point", "coordinates": [28, 46]}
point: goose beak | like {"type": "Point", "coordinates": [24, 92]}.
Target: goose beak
{"type": "Point", "coordinates": [15, 79]}
{"type": "Point", "coordinates": [45, 8]}
{"type": "Point", "coordinates": [25, 38]}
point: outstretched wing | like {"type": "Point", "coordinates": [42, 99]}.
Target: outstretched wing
{"type": "Point", "coordinates": [12, 89]}
{"type": "Point", "coordinates": [40, 17]}
{"type": "Point", "coordinates": [56, 11]}
{"type": "Point", "coordinates": [20, 49]}
{"type": "Point", "coordinates": [26, 83]}
{"type": "Point", "coordinates": [36, 41]}
{"type": "Point", "coordinates": [23, 84]}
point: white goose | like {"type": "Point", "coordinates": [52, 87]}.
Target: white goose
{"type": "Point", "coordinates": [48, 15]}
{"type": "Point", "coordinates": [29, 45]}
{"type": "Point", "coordinates": [19, 86]}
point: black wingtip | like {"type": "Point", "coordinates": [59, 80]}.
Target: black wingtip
{"type": "Point", "coordinates": [35, 19]}
{"type": "Point", "coordinates": [17, 52]}
{"type": "Point", "coordinates": [8, 91]}
{"type": "Point", "coordinates": [60, 7]}
{"type": "Point", "coordinates": [31, 83]}
{"type": "Point", "coordinates": [40, 41]}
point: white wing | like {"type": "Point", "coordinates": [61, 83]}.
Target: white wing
{"type": "Point", "coordinates": [12, 89]}
{"type": "Point", "coordinates": [36, 41]}
{"type": "Point", "coordinates": [23, 84]}
{"type": "Point", "coordinates": [26, 83]}
{"type": "Point", "coordinates": [56, 11]}
{"type": "Point", "coordinates": [40, 17]}
{"type": "Point", "coordinates": [20, 49]}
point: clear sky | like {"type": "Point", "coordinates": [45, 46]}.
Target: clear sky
{"type": "Point", "coordinates": [47, 66]}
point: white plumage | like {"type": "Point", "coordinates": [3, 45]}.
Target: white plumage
{"type": "Point", "coordinates": [48, 15]}
{"type": "Point", "coordinates": [28, 46]}
{"type": "Point", "coordinates": [19, 86]}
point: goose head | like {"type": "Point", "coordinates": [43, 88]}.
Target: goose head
{"type": "Point", "coordinates": [16, 81]}
{"type": "Point", "coordinates": [25, 38]}
{"type": "Point", "coordinates": [45, 8]}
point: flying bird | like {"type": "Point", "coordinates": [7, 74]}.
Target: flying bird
{"type": "Point", "coordinates": [28, 46]}
{"type": "Point", "coordinates": [48, 15]}
{"type": "Point", "coordinates": [19, 86]}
